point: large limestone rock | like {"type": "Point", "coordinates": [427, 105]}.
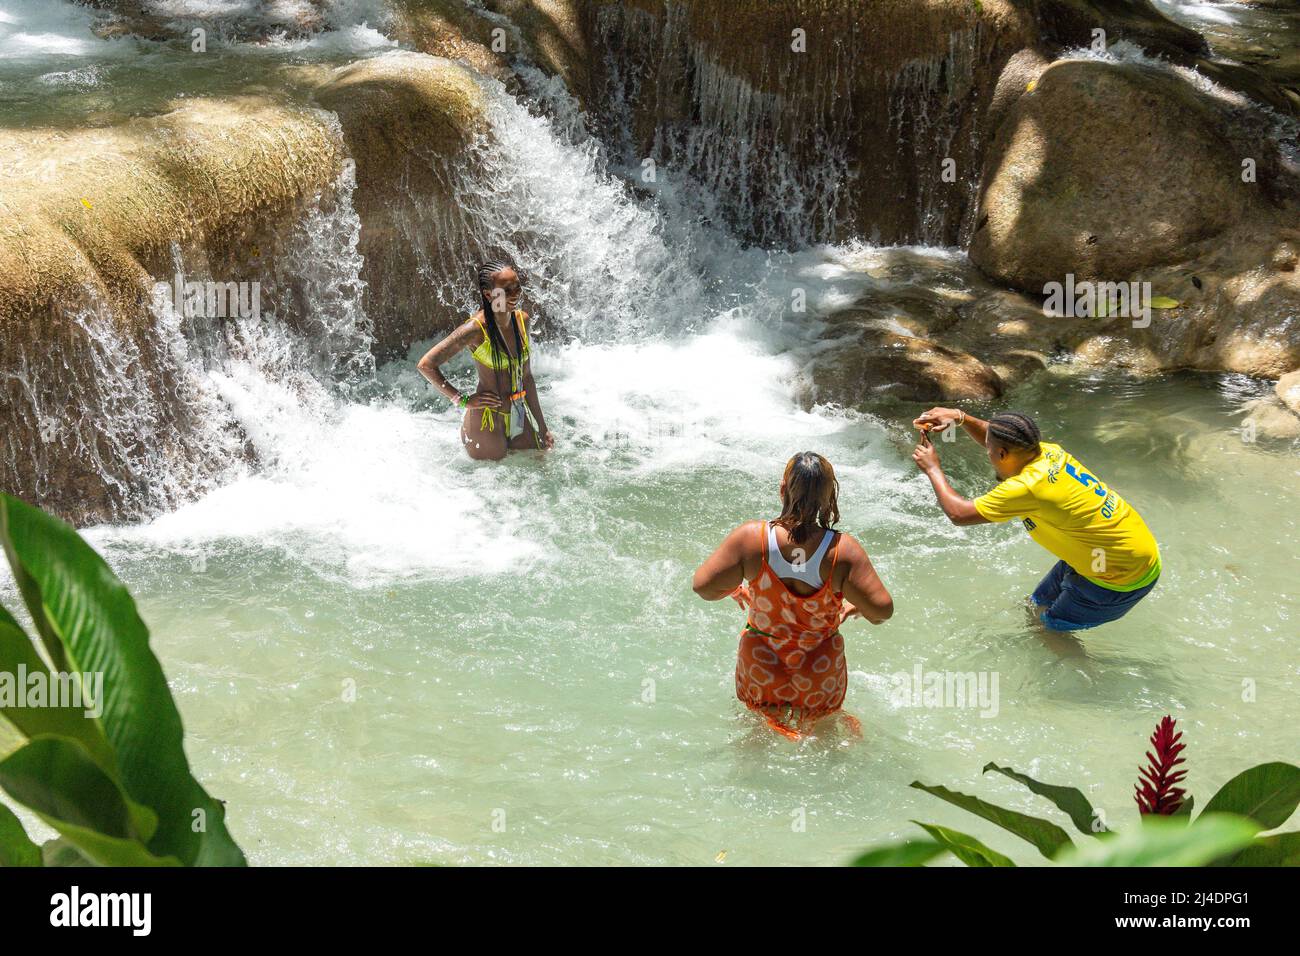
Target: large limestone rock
{"type": "Point", "coordinates": [553, 34]}
{"type": "Point", "coordinates": [451, 29]}
{"type": "Point", "coordinates": [1114, 172]}
{"type": "Point", "coordinates": [102, 207]}
{"type": "Point", "coordinates": [1103, 169]}
{"type": "Point", "coordinates": [930, 328]}
{"type": "Point", "coordinates": [90, 404]}
{"type": "Point", "coordinates": [1288, 390]}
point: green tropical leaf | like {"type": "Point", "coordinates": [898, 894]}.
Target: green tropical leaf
{"type": "Point", "coordinates": [907, 853]}
{"type": "Point", "coordinates": [59, 852]}
{"type": "Point", "coordinates": [30, 591]}
{"type": "Point", "coordinates": [18, 656]}
{"type": "Point", "coordinates": [964, 846]}
{"type": "Point", "coordinates": [90, 624]}
{"type": "Point", "coordinates": [1281, 849]}
{"type": "Point", "coordinates": [56, 779]}
{"type": "Point", "coordinates": [1043, 834]}
{"type": "Point", "coordinates": [16, 847]}
{"type": "Point", "coordinates": [1163, 302]}
{"type": "Point", "coordinates": [1161, 841]}
{"type": "Point", "coordinates": [1267, 794]}
{"type": "Point", "coordinates": [1068, 800]}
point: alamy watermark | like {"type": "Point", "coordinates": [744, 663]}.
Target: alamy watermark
{"type": "Point", "coordinates": [41, 688]}
{"type": "Point", "coordinates": [212, 300]}
{"type": "Point", "coordinates": [1128, 300]}
{"type": "Point", "coordinates": [920, 688]}
{"type": "Point", "coordinates": [74, 908]}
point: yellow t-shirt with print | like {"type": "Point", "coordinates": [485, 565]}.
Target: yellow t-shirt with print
{"type": "Point", "coordinates": [1072, 514]}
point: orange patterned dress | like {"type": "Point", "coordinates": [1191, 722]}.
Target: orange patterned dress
{"type": "Point", "coordinates": [790, 666]}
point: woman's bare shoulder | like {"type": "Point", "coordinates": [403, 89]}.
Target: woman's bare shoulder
{"type": "Point", "coordinates": [746, 535]}
{"type": "Point", "coordinates": [466, 330]}
{"type": "Point", "coordinates": [849, 548]}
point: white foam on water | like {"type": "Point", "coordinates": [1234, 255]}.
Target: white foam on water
{"type": "Point", "coordinates": [1193, 13]}
{"type": "Point", "coordinates": [36, 29]}
{"type": "Point", "coordinates": [642, 369]}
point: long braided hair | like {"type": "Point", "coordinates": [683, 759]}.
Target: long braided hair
{"type": "Point", "coordinates": [1015, 430]}
{"type": "Point", "coordinates": [811, 498]}
{"type": "Point", "coordinates": [496, 344]}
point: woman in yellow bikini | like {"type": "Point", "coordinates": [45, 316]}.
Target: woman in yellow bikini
{"type": "Point", "coordinates": [503, 413]}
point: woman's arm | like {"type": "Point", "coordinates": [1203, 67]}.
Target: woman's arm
{"type": "Point", "coordinates": [862, 585]}
{"type": "Point", "coordinates": [724, 570]}
{"type": "Point", "coordinates": [441, 353]}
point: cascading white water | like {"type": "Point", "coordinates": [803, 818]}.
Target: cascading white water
{"type": "Point", "coordinates": [635, 310]}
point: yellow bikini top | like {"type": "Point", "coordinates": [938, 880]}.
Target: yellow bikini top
{"type": "Point", "coordinates": [483, 354]}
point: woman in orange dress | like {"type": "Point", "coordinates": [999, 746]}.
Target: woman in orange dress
{"type": "Point", "coordinates": [800, 579]}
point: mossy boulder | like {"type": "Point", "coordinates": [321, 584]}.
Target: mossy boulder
{"type": "Point", "coordinates": [1102, 169]}
{"type": "Point", "coordinates": [90, 405]}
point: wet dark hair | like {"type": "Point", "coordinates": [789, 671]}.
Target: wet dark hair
{"type": "Point", "coordinates": [811, 498]}
{"type": "Point", "coordinates": [496, 344]}
{"type": "Point", "coordinates": [1015, 430]}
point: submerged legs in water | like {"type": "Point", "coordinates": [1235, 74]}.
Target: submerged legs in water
{"type": "Point", "coordinates": [795, 723]}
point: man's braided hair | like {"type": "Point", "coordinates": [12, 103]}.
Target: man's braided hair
{"type": "Point", "coordinates": [1015, 430]}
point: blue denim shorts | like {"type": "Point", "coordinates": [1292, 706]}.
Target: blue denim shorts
{"type": "Point", "coordinates": [1071, 602]}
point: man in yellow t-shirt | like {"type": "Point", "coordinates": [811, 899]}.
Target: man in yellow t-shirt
{"type": "Point", "coordinates": [1108, 559]}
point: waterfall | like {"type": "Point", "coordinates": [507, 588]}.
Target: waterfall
{"type": "Point", "coordinates": [930, 102]}
{"type": "Point", "coordinates": [136, 407]}
{"type": "Point", "coordinates": [667, 100]}
{"type": "Point", "coordinates": [846, 139]}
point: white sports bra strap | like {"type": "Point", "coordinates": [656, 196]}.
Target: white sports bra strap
{"type": "Point", "coordinates": [810, 572]}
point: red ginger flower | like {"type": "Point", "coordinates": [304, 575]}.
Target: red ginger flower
{"type": "Point", "coordinates": [1156, 791]}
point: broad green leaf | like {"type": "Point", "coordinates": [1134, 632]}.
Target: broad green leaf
{"type": "Point", "coordinates": [1267, 794]}
{"type": "Point", "coordinates": [18, 658]}
{"type": "Point", "coordinates": [1163, 302]}
{"type": "Point", "coordinates": [30, 590]}
{"type": "Point", "coordinates": [1281, 849]}
{"type": "Point", "coordinates": [1068, 800]}
{"type": "Point", "coordinates": [16, 847]}
{"type": "Point", "coordinates": [964, 846]}
{"type": "Point", "coordinates": [1184, 811]}
{"type": "Point", "coordinates": [1043, 834]}
{"type": "Point", "coordinates": [59, 852]}
{"type": "Point", "coordinates": [56, 779]}
{"type": "Point", "coordinates": [1161, 841]}
{"type": "Point", "coordinates": [907, 853]}
{"type": "Point", "coordinates": [81, 607]}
